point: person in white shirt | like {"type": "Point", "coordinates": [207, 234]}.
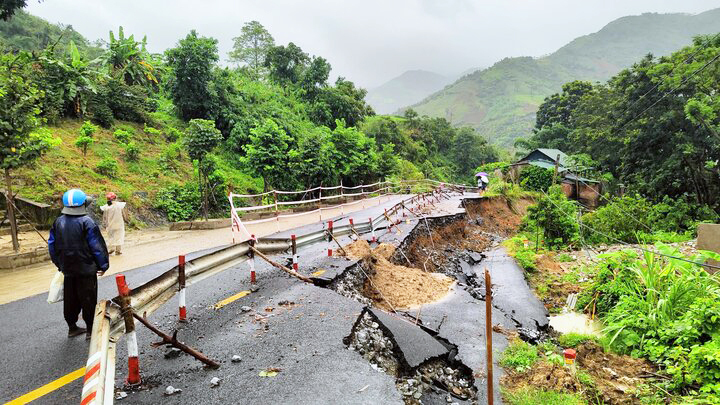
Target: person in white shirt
{"type": "Point", "coordinates": [114, 217]}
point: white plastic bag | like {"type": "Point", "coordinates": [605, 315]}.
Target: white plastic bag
{"type": "Point", "coordinates": [56, 288]}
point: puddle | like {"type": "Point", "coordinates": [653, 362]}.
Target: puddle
{"type": "Point", "coordinates": [575, 322]}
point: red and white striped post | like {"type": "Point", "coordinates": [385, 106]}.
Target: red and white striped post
{"type": "Point", "coordinates": [132, 345]}
{"type": "Point", "coordinates": [294, 252]}
{"type": "Point", "coordinates": [330, 230]}
{"type": "Point", "coordinates": [181, 289]}
{"type": "Point", "coordinates": [372, 230]}
{"type": "Point", "coordinates": [251, 262]}
{"type": "Point", "coordinates": [329, 252]}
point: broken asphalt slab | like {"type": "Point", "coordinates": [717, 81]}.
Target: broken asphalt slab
{"type": "Point", "coordinates": [511, 293]}
{"type": "Point", "coordinates": [414, 345]}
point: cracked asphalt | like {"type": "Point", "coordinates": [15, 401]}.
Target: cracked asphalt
{"type": "Point", "coordinates": [303, 338]}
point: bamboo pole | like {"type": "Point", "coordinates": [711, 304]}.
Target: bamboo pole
{"type": "Point", "coordinates": [280, 266]}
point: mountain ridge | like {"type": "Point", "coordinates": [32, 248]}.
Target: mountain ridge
{"type": "Point", "coordinates": [501, 101]}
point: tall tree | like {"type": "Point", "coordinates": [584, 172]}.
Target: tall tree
{"type": "Point", "coordinates": [286, 64]}
{"type": "Point", "coordinates": [19, 116]}
{"type": "Point", "coordinates": [9, 7]}
{"type": "Point", "coordinates": [267, 153]}
{"type": "Point", "coordinates": [200, 139]}
{"type": "Point", "coordinates": [251, 48]}
{"type": "Point", "coordinates": [192, 64]}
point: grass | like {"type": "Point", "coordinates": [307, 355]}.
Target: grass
{"type": "Point", "coordinates": [575, 339]}
{"type": "Point", "coordinates": [519, 356]}
{"type": "Point", "coordinates": [534, 396]}
{"type": "Point", "coordinates": [65, 167]}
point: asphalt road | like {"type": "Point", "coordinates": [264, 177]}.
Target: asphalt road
{"type": "Point", "coordinates": [303, 338]}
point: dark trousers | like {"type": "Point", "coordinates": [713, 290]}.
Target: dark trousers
{"type": "Point", "coordinates": [80, 294]}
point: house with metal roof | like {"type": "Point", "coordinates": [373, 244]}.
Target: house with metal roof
{"type": "Point", "coordinates": [584, 190]}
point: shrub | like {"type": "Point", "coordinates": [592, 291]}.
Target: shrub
{"type": "Point", "coordinates": [179, 203]}
{"type": "Point", "coordinates": [621, 219]}
{"type": "Point", "coordinates": [665, 309]}
{"type": "Point", "coordinates": [170, 156]}
{"type": "Point", "coordinates": [564, 258]}
{"type": "Point", "coordinates": [88, 129]}
{"type": "Point", "coordinates": [83, 142]}
{"type": "Point", "coordinates": [510, 191]}
{"type": "Point", "coordinates": [151, 131]}
{"type": "Point", "coordinates": [519, 356]}
{"type": "Point", "coordinates": [556, 216]}
{"type": "Point", "coordinates": [127, 128]}
{"type": "Point", "coordinates": [122, 136]}
{"type": "Point", "coordinates": [575, 339]}
{"type": "Point", "coordinates": [536, 178]}
{"type": "Point", "coordinates": [107, 167]}
{"type": "Point", "coordinates": [100, 111]}
{"type": "Point", "coordinates": [172, 134]}
{"type": "Point", "coordinates": [132, 152]}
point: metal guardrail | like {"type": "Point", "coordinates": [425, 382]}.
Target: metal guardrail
{"type": "Point", "coordinates": [98, 386]}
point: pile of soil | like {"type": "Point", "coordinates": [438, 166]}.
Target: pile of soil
{"type": "Point", "coordinates": [392, 286]}
{"type": "Point", "coordinates": [551, 275]}
{"type": "Point", "coordinates": [360, 249]}
{"type": "Point", "coordinates": [616, 377]}
{"type": "Point", "coordinates": [499, 215]}
{"type": "Point", "coordinates": [545, 376]}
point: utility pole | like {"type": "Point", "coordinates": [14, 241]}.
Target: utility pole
{"type": "Point", "coordinates": [557, 163]}
{"type": "Point", "coordinates": [11, 211]}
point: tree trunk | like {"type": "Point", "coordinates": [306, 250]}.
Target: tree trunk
{"type": "Point", "coordinates": [11, 211]}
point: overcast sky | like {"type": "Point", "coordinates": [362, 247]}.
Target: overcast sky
{"type": "Point", "coordinates": [367, 41]}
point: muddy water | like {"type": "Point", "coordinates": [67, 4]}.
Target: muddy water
{"type": "Point", "coordinates": [574, 322]}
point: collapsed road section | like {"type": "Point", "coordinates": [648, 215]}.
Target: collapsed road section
{"type": "Point", "coordinates": [400, 320]}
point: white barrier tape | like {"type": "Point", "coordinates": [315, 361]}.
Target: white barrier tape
{"type": "Point", "coordinates": [254, 208]}
{"type": "Point", "coordinates": [233, 195]}
{"type": "Point", "coordinates": [330, 197]}
{"type": "Point", "coordinates": [355, 194]}
{"type": "Point", "coordinates": [297, 202]}
{"type": "Point", "coordinates": [301, 213]}
{"type": "Point", "coordinates": [259, 221]}
{"type": "Point", "coordinates": [299, 192]}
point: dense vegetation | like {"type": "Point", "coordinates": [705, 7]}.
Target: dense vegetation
{"type": "Point", "coordinates": [654, 127]}
{"type": "Point", "coordinates": [272, 121]}
{"type": "Point", "coordinates": [501, 101]}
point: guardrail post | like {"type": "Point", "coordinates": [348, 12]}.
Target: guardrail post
{"type": "Point", "coordinates": [372, 230]}
{"type": "Point", "coordinates": [251, 262]}
{"type": "Point", "coordinates": [93, 383]}
{"type": "Point", "coordinates": [132, 345]}
{"type": "Point", "coordinates": [330, 230]}
{"type": "Point", "coordinates": [294, 253]}
{"type": "Point", "coordinates": [181, 289]}
{"type": "Point", "coordinates": [329, 252]}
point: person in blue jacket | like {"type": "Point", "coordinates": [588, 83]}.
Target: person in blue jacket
{"type": "Point", "coordinates": [78, 250]}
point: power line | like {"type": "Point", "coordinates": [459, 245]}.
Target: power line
{"type": "Point", "coordinates": [686, 61]}
{"type": "Point", "coordinates": [671, 91]}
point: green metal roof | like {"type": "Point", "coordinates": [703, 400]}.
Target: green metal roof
{"type": "Point", "coordinates": [553, 154]}
{"type": "Point", "coordinates": [545, 165]}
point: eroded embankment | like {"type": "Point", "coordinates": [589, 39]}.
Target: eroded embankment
{"type": "Point", "coordinates": [436, 256]}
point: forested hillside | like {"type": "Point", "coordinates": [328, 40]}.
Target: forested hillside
{"type": "Point", "coordinates": [654, 127]}
{"type": "Point", "coordinates": [501, 101]}
{"type": "Point", "coordinates": [163, 130]}
{"type": "Point", "coordinates": [406, 89]}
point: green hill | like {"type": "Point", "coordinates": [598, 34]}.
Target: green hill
{"type": "Point", "coordinates": [501, 101]}
{"type": "Point", "coordinates": [28, 32]}
{"type": "Point", "coordinates": [405, 89]}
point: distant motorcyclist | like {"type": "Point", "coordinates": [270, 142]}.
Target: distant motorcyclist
{"type": "Point", "coordinates": [78, 250]}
